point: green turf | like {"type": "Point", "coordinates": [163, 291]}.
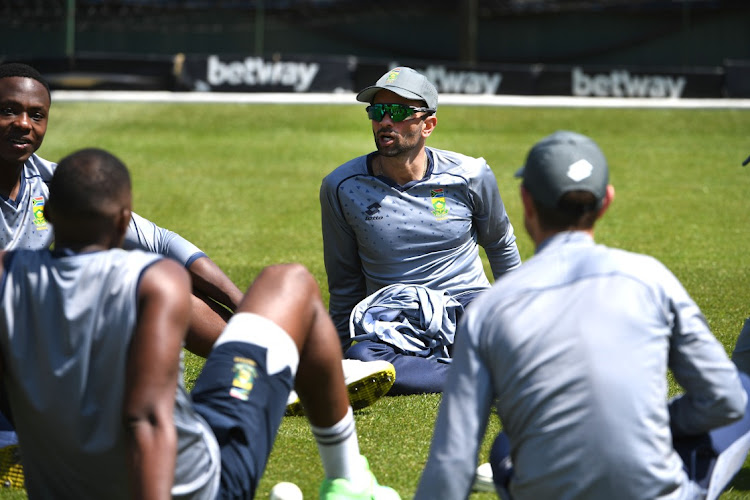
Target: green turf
{"type": "Point", "coordinates": [241, 181]}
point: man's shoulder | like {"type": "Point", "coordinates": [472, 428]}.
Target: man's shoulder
{"type": "Point", "coordinates": [554, 267]}
{"type": "Point", "coordinates": [159, 268]}
{"type": "Point", "coordinates": [614, 259]}
{"type": "Point", "coordinates": [456, 163]}
{"type": "Point", "coordinates": [126, 266]}
{"type": "Point", "coordinates": [641, 266]}
{"type": "Point", "coordinates": [38, 166]}
{"type": "Point", "coordinates": [137, 259]}
{"type": "Point", "coordinates": [353, 167]}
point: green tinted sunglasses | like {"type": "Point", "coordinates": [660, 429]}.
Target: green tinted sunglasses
{"type": "Point", "coordinates": [397, 112]}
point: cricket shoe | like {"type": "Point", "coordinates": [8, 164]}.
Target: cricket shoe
{"type": "Point", "coordinates": [11, 470]}
{"type": "Point", "coordinates": [366, 488]}
{"type": "Point", "coordinates": [366, 382]}
{"type": "Point", "coordinates": [483, 479]}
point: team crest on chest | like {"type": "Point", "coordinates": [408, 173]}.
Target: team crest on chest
{"type": "Point", "coordinates": [439, 207]}
{"type": "Point", "coordinates": [37, 207]}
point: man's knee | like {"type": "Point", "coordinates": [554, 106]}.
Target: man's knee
{"type": "Point", "coordinates": [294, 274]}
{"type": "Point", "coordinates": [290, 283]}
{"type": "Point", "coordinates": [366, 351]}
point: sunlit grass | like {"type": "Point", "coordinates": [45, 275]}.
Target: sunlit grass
{"type": "Point", "coordinates": [241, 181]}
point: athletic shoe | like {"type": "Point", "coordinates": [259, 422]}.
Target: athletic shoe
{"type": "Point", "coordinates": [11, 470]}
{"type": "Point", "coordinates": [366, 382]}
{"type": "Point", "coordinates": [483, 479]}
{"type": "Point", "coordinates": [367, 489]}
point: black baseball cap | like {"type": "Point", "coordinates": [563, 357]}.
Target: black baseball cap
{"type": "Point", "coordinates": [407, 83]}
{"type": "Point", "coordinates": [563, 162]}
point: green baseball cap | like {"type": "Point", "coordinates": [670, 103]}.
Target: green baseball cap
{"type": "Point", "coordinates": [562, 162]}
{"type": "Point", "coordinates": [407, 83]}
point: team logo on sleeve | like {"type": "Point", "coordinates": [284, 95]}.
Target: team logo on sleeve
{"type": "Point", "coordinates": [37, 206]}
{"type": "Point", "coordinates": [439, 207]}
{"type": "Point", "coordinates": [244, 373]}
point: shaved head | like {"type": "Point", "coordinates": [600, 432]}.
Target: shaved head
{"type": "Point", "coordinates": [88, 194]}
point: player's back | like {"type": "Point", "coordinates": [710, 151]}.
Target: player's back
{"type": "Point", "coordinates": [65, 327]}
{"type": "Point", "coordinates": [579, 342]}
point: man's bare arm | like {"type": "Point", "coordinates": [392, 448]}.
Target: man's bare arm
{"type": "Point", "coordinates": [152, 374]}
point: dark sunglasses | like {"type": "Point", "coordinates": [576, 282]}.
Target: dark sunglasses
{"type": "Point", "coordinates": [397, 112]}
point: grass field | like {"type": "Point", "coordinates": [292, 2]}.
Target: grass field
{"type": "Point", "coordinates": [241, 181]}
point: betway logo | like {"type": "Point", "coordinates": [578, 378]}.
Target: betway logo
{"type": "Point", "coordinates": [620, 83]}
{"type": "Point", "coordinates": [255, 71]}
{"type": "Point", "coordinates": [463, 82]}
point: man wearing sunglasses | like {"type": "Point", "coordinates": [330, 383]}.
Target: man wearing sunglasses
{"type": "Point", "coordinates": [409, 215]}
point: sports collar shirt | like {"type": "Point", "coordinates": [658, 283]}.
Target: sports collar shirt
{"type": "Point", "coordinates": [574, 346]}
{"type": "Point", "coordinates": [428, 232]}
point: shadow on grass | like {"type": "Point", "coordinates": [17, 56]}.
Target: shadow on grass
{"type": "Point", "coordinates": [741, 481]}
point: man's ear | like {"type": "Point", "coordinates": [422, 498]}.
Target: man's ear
{"type": "Point", "coordinates": [429, 126]}
{"type": "Point", "coordinates": [122, 222]}
{"type": "Point", "coordinates": [608, 197]}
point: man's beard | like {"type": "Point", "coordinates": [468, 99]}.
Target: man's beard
{"type": "Point", "coordinates": [400, 143]}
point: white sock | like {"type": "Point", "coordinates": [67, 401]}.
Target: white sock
{"type": "Point", "coordinates": [339, 448]}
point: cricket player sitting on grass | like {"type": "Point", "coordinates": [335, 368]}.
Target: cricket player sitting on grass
{"type": "Point", "coordinates": [25, 102]}
{"type": "Point", "coordinates": [91, 341]}
{"type": "Point", "coordinates": [573, 349]}
{"type": "Point", "coordinates": [403, 226]}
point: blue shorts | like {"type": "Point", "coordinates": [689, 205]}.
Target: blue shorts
{"type": "Point", "coordinates": [244, 405]}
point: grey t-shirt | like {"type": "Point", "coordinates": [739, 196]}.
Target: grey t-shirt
{"type": "Point", "coordinates": [427, 232]}
{"type": "Point", "coordinates": [66, 323]}
{"type": "Point", "coordinates": [573, 348]}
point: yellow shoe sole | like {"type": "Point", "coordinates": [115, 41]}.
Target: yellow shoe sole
{"type": "Point", "coordinates": [11, 470]}
{"type": "Point", "coordinates": [362, 392]}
